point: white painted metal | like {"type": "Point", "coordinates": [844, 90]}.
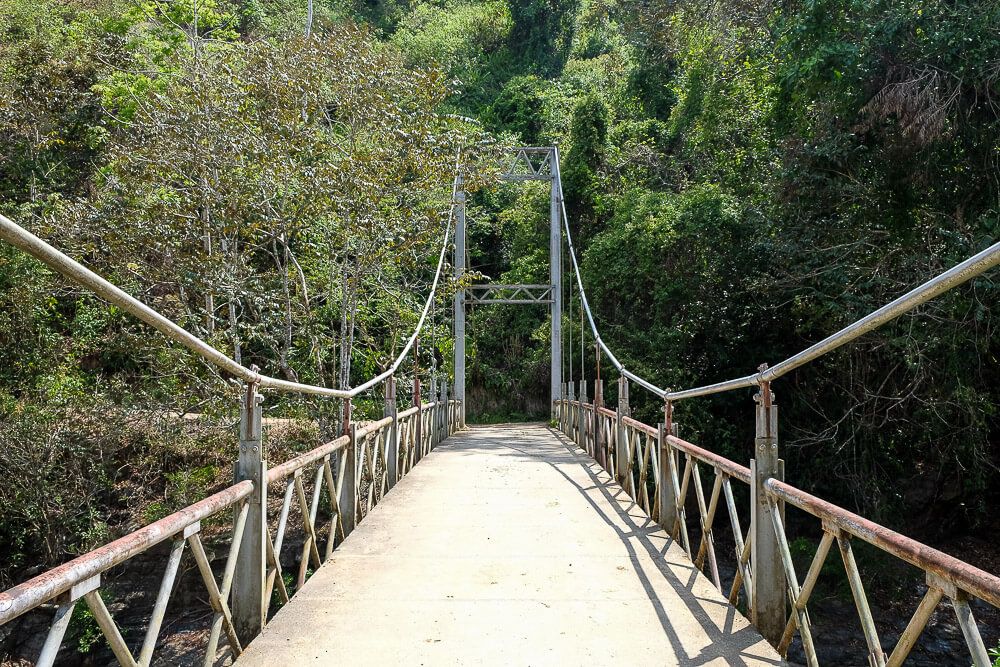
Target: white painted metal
{"type": "Point", "coordinates": [249, 590]}
{"type": "Point", "coordinates": [768, 612]}
{"type": "Point", "coordinates": [508, 294]}
{"type": "Point", "coordinates": [555, 277]}
{"type": "Point", "coordinates": [459, 315]}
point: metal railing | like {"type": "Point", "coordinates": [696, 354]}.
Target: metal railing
{"type": "Point", "coordinates": [81, 577]}
{"type": "Point", "coordinates": [359, 469]}
{"type": "Point", "coordinates": [763, 563]}
{"type": "Point", "coordinates": [634, 454]}
{"type": "Point", "coordinates": [354, 472]}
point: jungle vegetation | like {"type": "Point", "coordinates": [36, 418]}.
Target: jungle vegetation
{"type": "Point", "coordinates": [742, 179]}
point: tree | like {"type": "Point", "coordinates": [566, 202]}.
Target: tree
{"type": "Point", "coordinates": [581, 174]}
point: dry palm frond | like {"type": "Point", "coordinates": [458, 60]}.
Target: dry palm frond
{"type": "Point", "coordinates": [921, 99]}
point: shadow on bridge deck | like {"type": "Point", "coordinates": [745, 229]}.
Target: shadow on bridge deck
{"type": "Point", "coordinates": [508, 545]}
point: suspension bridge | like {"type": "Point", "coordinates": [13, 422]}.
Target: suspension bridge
{"type": "Point", "coordinates": [595, 538]}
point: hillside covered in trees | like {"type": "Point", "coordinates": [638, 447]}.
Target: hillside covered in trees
{"type": "Point", "coordinates": [741, 179]}
{"type": "Point", "coordinates": [745, 179]}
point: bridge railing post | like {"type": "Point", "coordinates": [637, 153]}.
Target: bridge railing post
{"type": "Point", "coordinates": [768, 613]}
{"type": "Point", "coordinates": [437, 421]}
{"type": "Point", "coordinates": [349, 492]}
{"type": "Point", "coordinates": [668, 502]}
{"type": "Point", "coordinates": [391, 410]}
{"type": "Point", "coordinates": [431, 434]}
{"type": "Point", "coordinates": [621, 437]}
{"type": "Point", "coordinates": [249, 588]}
{"type": "Point", "coordinates": [418, 440]}
{"type": "Point", "coordinates": [567, 414]}
{"type": "Point", "coordinates": [600, 448]}
{"type": "Point", "coordinates": [451, 415]}
{"type": "Point", "coordinates": [445, 411]}
{"type": "Point", "coordinates": [581, 415]}
{"type": "Point", "coordinates": [432, 426]}
{"type": "Point", "coordinates": [438, 416]}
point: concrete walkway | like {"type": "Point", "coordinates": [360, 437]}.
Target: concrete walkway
{"type": "Point", "coordinates": [508, 546]}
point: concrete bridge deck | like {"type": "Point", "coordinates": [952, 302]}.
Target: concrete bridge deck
{"type": "Point", "coordinates": [508, 545]}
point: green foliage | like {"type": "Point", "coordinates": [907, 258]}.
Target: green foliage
{"type": "Point", "coordinates": [542, 33]}
{"type": "Point", "coordinates": [519, 109]}
{"type": "Point", "coordinates": [582, 185]}
{"type": "Point", "coordinates": [187, 486]}
{"type": "Point", "coordinates": [48, 119]}
{"type": "Point", "coordinates": [83, 627]}
{"type": "Point", "coordinates": [597, 31]}
{"type": "Point", "coordinates": [832, 581]}
{"type": "Point", "coordinates": [588, 132]}
{"type": "Point", "coordinates": [458, 36]}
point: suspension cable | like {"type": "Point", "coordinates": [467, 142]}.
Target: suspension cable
{"type": "Point", "coordinates": [570, 331]}
{"type": "Point", "coordinates": [583, 352]}
{"type": "Point", "coordinates": [583, 294]}
{"type": "Point", "coordinates": [958, 274]}
{"type": "Point", "coordinates": [24, 240]}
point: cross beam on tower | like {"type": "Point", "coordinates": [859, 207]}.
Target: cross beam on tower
{"type": "Point", "coordinates": [509, 294]}
{"type": "Point", "coordinates": [531, 164]}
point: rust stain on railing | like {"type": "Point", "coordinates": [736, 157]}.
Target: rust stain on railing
{"type": "Point", "coordinates": [38, 590]}
{"type": "Point", "coordinates": [969, 578]}
{"type": "Point", "coordinates": [372, 446]}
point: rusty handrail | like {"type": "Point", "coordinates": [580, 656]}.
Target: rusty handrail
{"type": "Point", "coordinates": [966, 577]}
{"type": "Point", "coordinates": [638, 425]}
{"type": "Point", "coordinates": [731, 468]}
{"type": "Point", "coordinates": [40, 589]}
{"type": "Point", "coordinates": [279, 472]}
{"type": "Point", "coordinates": [407, 412]}
{"type": "Point", "coordinates": [285, 469]}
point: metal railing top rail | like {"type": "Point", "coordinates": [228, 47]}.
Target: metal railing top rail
{"type": "Point", "coordinates": [26, 596]}
{"type": "Point", "coordinates": [966, 577]}
{"type": "Point", "coordinates": [61, 579]}
{"type": "Point", "coordinates": [24, 240]}
{"type": "Point", "coordinates": [960, 273]}
{"type": "Point", "coordinates": [731, 468]}
{"type": "Point", "coordinates": [279, 472]}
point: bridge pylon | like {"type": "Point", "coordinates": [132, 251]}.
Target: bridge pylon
{"type": "Point", "coordinates": [530, 163]}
